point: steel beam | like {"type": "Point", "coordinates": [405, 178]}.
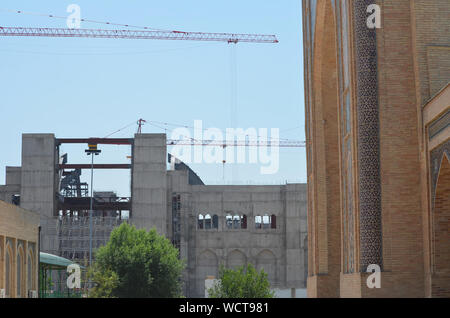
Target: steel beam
{"type": "Point", "coordinates": [95, 166]}
{"type": "Point", "coordinates": [99, 141]}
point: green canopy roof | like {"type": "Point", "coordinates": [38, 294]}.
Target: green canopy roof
{"type": "Point", "coordinates": [50, 261]}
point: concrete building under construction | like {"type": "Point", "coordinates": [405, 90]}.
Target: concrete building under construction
{"type": "Point", "coordinates": [210, 225]}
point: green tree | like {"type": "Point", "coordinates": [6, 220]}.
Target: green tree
{"type": "Point", "coordinates": [241, 283]}
{"type": "Point", "coordinates": [106, 282]}
{"type": "Point", "coordinates": [137, 264]}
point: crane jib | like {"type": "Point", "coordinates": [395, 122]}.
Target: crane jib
{"type": "Point", "coordinates": [137, 34]}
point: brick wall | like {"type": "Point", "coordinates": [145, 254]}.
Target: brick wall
{"type": "Point", "coordinates": [399, 149]}
{"type": "Point", "coordinates": [324, 212]}
{"type": "Point", "coordinates": [19, 231]}
{"type": "Point", "coordinates": [432, 29]}
{"type": "Point", "coordinates": [441, 275]}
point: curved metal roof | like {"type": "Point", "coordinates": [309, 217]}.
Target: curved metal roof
{"type": "Point", "coordinates": [51, 261]}
{"type": "Point", "coordinates": [193, 178]}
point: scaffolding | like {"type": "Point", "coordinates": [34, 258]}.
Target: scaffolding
{"type": "Point", "coordinates": [73, 235]}
{"type": "Point", "coordinates": [67, 234]}
{"type": "Point", "coordinates": [176, 221]}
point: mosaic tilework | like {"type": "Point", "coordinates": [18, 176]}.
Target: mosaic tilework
{"type": "Point", "coordinates": [368, 138]}
{"type": "Point", "coordinates": [435, 163]}
{"type": "Point", "coordinates": [439, 125]}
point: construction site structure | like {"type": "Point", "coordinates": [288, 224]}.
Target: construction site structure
{"type": "Point", "coordinates": [211, 225]}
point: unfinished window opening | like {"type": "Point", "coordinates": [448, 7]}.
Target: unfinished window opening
{"type": "Point", "coordinates": [229, 221]}
{"type": "Point", "coordinates": [236, 222]}
{"type": "Point", "coordinates": [266, 222]}
{"type": "Point", "coordinates": [244, 222]}
{"type": "Point", "coordinates": [200, 222]}
{"type": "Point", "coordinates": [208, 222]}
{"type": "Point", "coordinates": [215, 221]}
{"type": "Point", "coordinates": [258, 221]}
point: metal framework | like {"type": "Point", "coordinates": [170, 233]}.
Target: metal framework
{"type": "Point", "coordinates": [95, 166]}
{"type": "Point", "coordinates": [193, 142]}
{"type": "Point", "coordinates": [99, 141]}
{"type": "Point", "coordinates": [232, 143]}
{"type": "Point", "coordinates": [83, 204]}
{"type": "Point", "coordinates": [137, 34]}
{"type": "Point", "coordinates": [72, 235]}
{"type": "Point", "coordinates": [84, 221]}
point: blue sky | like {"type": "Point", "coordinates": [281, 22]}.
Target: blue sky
{"type": "Point", "coordinates": [93, 87]}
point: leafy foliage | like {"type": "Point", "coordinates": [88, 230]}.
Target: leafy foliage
{"type": "Point", "coordinates": [106, 282]}
{"type": "Point", "coordinates": [241, 283]}
{"type": "Point", "coordinates": [137, 264]}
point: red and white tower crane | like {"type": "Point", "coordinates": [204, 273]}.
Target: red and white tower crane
{"type": "Point", "coordinates": [137, 34]}
{"type": "Point", "coordinates": [143, 33]}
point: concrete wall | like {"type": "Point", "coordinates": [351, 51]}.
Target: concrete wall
{"type": "Point", "coordinates": [296, 235]}
{"type": "Point", "coordinates": [38, 173]}
{"type": "Point", "coordinates": [12, 185]}
{"type": "Point", "coordinates": [177, 185]}
{"type": "Point", "coordinates": [280, 251]}
{"type": "Point", "coordinates": [38, 182]}
{"type": "Point", "coordinates": [149, 201]}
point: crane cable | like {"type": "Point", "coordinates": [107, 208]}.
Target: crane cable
{"type": "Point", "coordinates": [84, 20]}
{"type": "Point", "coordinates": [152, 123]}
{"type": "Point", "coordinates": [233, 104]}
{"type": "Point", "coordinates": [120, 129]}
{"type": "Point", "coordinates": [204, 129]}
{"type": "Point", "coordinates": [156, 124]}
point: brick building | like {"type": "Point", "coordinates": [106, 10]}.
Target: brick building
{"type": "Point", "coordinates": [378, 146]}
{"type": "Point", "coordinates": [19, 240]}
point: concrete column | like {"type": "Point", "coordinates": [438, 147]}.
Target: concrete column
{"type": "Point", "coordinates": [38, 183]}
{"type": "Point", "coordinates": [149, 183]}
{"type": "Point", "coordinates": [293, 261]}
{"type": "Point", "coordinates": [38, 174]}
{"type": "Point", "coordinates": [295, 196]}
